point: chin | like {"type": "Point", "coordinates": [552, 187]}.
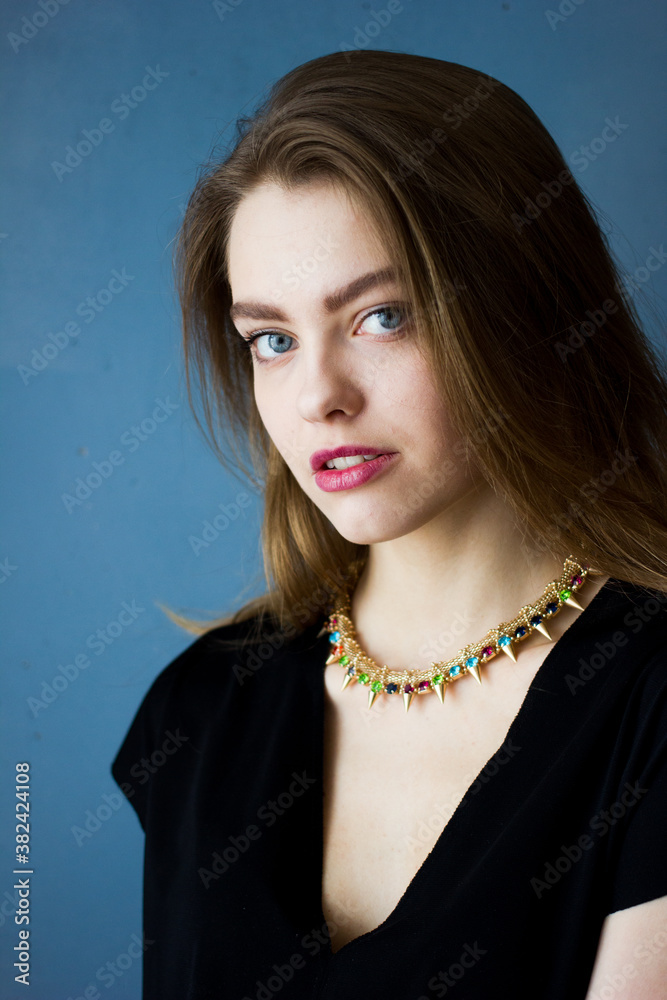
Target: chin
{"type": "Point", "coordinates": [363, 536]}
{"type": "Point", "coordinates": [372, 527]}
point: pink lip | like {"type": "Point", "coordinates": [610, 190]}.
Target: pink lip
{"type": "Point", "coordinates": [332, 480]}
{"type": "Point", "coordinates": [320, 458]}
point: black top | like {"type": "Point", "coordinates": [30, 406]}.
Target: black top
{"type": "Point", "coordinates": [223, 764]}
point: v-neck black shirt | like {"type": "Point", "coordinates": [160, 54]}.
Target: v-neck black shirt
{"type": "Point", "coordinates": [565, 824]}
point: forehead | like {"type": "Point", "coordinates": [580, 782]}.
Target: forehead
{"type": "Point", "coordinates": [275, 203]}
{"type": "Point", "coordinates": [275, 228]}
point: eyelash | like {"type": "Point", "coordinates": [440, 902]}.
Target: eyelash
{"type": "Point", "coordinates": [249, 341]}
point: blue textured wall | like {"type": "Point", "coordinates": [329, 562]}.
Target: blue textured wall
{"type": "Point", "coordinates": [91, 368]}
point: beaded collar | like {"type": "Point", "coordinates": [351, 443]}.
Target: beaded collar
{"type": "Point", "coordinates": [383, 680]}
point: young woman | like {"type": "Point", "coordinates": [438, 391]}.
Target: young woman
{"type": "Point", "coordinates": [434, 752]}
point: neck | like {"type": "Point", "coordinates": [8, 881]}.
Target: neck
{"type": "Point", "coordinates": [424, 595]}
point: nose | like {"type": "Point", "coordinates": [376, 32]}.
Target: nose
{"type": "Point", "coordinates": [329, 384]}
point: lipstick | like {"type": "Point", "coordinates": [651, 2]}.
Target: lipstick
{"type": "Point", "coordinates": [332, 480]}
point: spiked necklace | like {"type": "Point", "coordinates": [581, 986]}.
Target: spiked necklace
{"type": "Point", "coordinates": [383, 680]}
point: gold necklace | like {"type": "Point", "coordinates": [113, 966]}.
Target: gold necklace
{"type": "Point", "coordinates": [383, 680]}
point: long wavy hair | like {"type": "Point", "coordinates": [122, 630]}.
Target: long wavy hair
{"type": "Point", "coordinates": [523, 313]}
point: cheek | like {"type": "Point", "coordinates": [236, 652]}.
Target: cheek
{"type": "Point", "coordinates": [280, 422]}
{"type": "Point", "coordinates": [415, 404]}
{"type": "Point", "coordinates": [271, 406]}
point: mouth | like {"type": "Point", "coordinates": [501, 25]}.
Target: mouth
{"type": "Point", "coordinates": [345, 457]}
{"type": "Point", "coordinates": [347, 463]}
{"type": "Point", "coordinates": [350, 466]}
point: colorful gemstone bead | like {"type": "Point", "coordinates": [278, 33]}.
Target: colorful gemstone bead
{"type": "Point", "coordinates": [520, 632]}
{"type": "Point", "coordinates": [564, 594]}
{"type": "Point", "coordinates": [454, 671]}
{"type": "Point", "coordinates": [351, 671]}
{"type": "Point", "coordinates": [334, 637]}
{"type": "Point", "coordinates": [334, 621]}
{"type": "Point", "coordinates": [424, 685]}
{"type": "Point", "coordinates": [536, 619]}
{"type": "Point", "coordinates": [409, 689]}
{"type": "Point", "coordinates": [577, 580]}
{"type": "Point", "coordinates": [363, 678]}
{"type": "Point", "coordinates": [391, 688]}
{"type": "Point", "coordinates": [504, 640]}
{"type": "Point", "coordinates": [472, 661]}
{"type": "Point", "coordinates": [376, 686]}
{"type": "Point", "coordinates": [345, 660]}
{"type": "Point", "coordinates": [488, 651]}
{"type": "Point", "coordinates": [551, 608]}
{"type": "Point", "coordinates": [438, 679]}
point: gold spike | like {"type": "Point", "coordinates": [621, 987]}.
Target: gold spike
{"type": "Point", "coordinates": [440, 691]}
{"type": "Point", "coordinates": [333, 658]}
{"type": "Point", "coordinates": [372, 695]}
{"type": "Point", "coordinates": [475, 672]}
{"type": "Point", "coordinates": [543, 629]}
{"type": "Point", "coordinates": [322, 631]}
{"type": "Point", "coordinates": [573, 602]}
{"type": "Point", "coordinates": [508, 651]}
{"type": "Point", "coordinates": [407, 698]}
{"type": "Point", "coordinates": [346, 680]}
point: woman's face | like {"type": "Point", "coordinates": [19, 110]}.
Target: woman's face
{"type": "Point", "coordinates": [337, 372]}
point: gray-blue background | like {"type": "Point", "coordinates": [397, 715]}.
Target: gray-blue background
{"type": "Point", "coordinates": [67, 569]}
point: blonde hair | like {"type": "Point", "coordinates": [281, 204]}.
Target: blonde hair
{"type": "Point", "coordinates": [518, 304]}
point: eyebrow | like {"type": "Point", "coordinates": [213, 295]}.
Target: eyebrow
{"type": "Point", "coordinates": [332, 302]}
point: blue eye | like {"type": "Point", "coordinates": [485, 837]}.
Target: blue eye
{"type": "Point", "coordinates": [249, 341]}
{"type": "Point", "coordinates": [397, 318]}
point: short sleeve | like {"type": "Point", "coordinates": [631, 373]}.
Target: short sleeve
{"type": "Point", "coordinates": [132, 766]}
{"type": "Point", "coordinates": [640, 810]}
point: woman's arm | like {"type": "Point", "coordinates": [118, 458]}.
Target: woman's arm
{"type": "Point", "coordinates": [632, 955]}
